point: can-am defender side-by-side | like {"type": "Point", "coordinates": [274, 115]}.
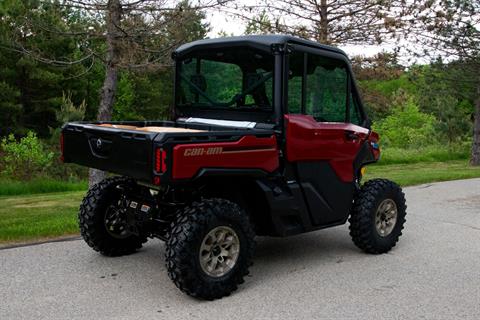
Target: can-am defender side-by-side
{"type": "Point", "coordinates": [269, 137]}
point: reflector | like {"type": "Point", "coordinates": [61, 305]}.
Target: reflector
{"type": "Point", "coordinates": [160, 156]}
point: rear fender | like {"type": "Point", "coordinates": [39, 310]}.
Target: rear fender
{"type": "Point", "coordinates": [244, 191]}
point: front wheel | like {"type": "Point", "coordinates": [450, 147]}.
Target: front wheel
{"type": "Point", "coordinates": [378, 216]}
{"type": "Point", "coordinates": [210, 248]}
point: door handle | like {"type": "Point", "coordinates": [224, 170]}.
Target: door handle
{"type": "Point", "coordinates": [350, 135]}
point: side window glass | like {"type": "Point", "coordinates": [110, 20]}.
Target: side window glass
{"type": "Point", "coordinates": [355, 115]}
{"type": "Point", "coordinates": [295, 75]}
{"type": "Point", "coordinates": [326, 90]}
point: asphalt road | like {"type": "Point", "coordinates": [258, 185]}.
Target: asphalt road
{"type": "Point", "coordinates": [433, 273]}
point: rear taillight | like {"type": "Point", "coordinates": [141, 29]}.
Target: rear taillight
{"type": "Point", "coordinates": [61, 147]}
{"type": "Point", "coordinates": [160, 157]}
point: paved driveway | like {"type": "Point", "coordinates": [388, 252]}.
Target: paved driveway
{"type": "Point", "coordinates": [433, 273]}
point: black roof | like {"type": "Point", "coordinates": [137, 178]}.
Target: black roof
{"type": "Point", "coordinates": [263, 42]}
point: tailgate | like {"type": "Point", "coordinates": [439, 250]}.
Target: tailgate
{"type": "Point", "coordinates": [120, 151]}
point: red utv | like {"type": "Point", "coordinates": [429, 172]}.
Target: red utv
{"type": "Point", "coordinates": [269, 138]}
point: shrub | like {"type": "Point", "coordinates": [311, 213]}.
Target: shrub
{"type": "Point", "coordinates": [58, 170]}
{"type": "Point", "coordinates": [24, 159]}
{"type": "Point", "coordinates": [407, 127]}
{"type": "Point", "coordinates": [68, 111]}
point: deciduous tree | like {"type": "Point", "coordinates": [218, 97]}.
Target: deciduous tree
{"type": "Point", "coordinates": [328, 21]}
{"type": "Point", "coordinates": [451, 29]}
{"type": "Point", "coordinates": [122, 35]}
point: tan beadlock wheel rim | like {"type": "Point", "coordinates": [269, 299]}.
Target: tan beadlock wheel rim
{"type": "Point", "coordinates": [386, 217]}
{"type": "Point", "coordinates": [219, 251]}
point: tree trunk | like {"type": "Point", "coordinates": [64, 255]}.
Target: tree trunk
{"type": "Point", "coordinates": [475, 161]}
{"type": "Point", "coordinates": [323, 25]}
{"type": "Point", "coordinates": [109, 88]}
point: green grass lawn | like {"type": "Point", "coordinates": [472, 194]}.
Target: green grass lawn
{"type": "Point", "coordinates": [26, 218]}
{"type": "Point", "coordinates": [12, 187]}
{"type": "Point", "coordinates": [418, 173]}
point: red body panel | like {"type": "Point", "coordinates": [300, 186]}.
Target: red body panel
{"type": "Point", "coordinates": [309, 140]}
{"type": "Point", "coordinates": [248, 152]}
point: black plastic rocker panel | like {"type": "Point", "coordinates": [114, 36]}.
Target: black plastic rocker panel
{"type": "Point", "coordinates": [319, 201]}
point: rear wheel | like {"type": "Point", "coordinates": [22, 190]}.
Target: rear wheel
{"type": "Point", "coordinates": [210, 248]}
{"type": "Point", "coordinates": [102, 218]}
{"type": "Point", "coordinates": [378, 216]}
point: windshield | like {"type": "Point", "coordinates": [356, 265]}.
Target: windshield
{"type": "Point", "coordinates": [226, 78]}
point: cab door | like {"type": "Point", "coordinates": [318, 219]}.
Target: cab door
{"type": "Point", "coordinates": [324, 135]}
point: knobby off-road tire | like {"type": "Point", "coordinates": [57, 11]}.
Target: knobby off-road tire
{"type": "Point", "coordinates": [185, 248]}
{"type": "Point", "coordinates": [368, 228]}
{"type": "Point", "coordinates": [91, 219]}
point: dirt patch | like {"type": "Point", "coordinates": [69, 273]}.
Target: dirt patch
{"type": "Point", "coordinates": [43, 204]}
